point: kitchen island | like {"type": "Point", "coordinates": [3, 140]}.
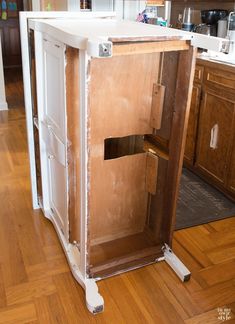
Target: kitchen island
{"type": "Point", "coordinates": [107, 107]}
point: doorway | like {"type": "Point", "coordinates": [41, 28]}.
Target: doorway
{"type": "Point", "coordinates": [10, 32]}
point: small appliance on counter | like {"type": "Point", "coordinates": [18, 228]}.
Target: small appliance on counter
{"type": "Point", "coordinates": [210, 20]}
{"type": "Point", "coordinates": [222, 28]}
{"type": "Point", "coordinates": [231, 33]}
{"type": "Point", "coordinates": [188, 24]}
{"type": "Point", "coordinates": [228, 58]}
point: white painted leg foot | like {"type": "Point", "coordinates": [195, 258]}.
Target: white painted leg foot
{"type": "Point", "coordinates": [174, 262]}
{"type": "Point", "coordinates": [94, 301]}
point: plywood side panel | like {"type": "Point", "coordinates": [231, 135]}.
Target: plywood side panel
{"type": "Point", "coordinates": [151, 173]}
{"type": "Point", "coordinates": [156, 205]}
{"type": "Point", "coordinates": [121, 95]}
{"type": "Point", "coordinates": [168, 79]}
{"type": "Point", "coordinates": [73, 135]}
{"type": "Point", "coordinates": [185, 75]}
{"type": "Point", "coordinates": [120, 100]}
{"type": "Point", "coordinates": [118, 197]}
{"type": "Point", "coordinates": [157, 105]}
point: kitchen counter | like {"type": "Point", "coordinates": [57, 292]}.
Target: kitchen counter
{"type": "Point", "coordinates": [210, 61]}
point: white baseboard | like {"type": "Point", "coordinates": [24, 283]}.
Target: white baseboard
{"type": "Point", "coordinates": [3, 105]}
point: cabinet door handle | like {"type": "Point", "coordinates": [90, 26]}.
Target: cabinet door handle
{"type": "Point", "coordinates": [50, 156]}
{"type": "Point", "coordinates": [214, 137]}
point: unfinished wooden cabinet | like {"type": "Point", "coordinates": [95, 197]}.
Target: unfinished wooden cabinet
{"type": "Point", "coordinates": [113, 104]}
{"type": "Point", "coordinates": [191, 139]}
{"type": "Point", "coordinates": [231, 172]}
{"type": "Point", "coordinates": [190, 146]}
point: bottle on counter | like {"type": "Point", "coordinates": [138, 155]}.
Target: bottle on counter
{"type": "Point", "coordinates": [179, 21]}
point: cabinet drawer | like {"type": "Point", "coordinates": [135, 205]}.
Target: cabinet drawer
{"type": "Point", "coordinates": [220, 79]}
{"type": "Point", "coordinates": [198, 76]}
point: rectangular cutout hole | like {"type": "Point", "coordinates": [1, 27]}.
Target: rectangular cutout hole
{"type": "Point", "coordinates": [121, 146]}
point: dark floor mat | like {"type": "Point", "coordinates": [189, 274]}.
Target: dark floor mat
{"type": "Point", "coordinates": [200, 203]}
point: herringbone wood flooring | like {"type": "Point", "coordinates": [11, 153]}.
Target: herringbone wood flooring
{"type": "Point", "coordinates": [36, 285]}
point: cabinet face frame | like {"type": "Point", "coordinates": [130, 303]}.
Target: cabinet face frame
{"type": "Point", "coordinates": [190, 147]}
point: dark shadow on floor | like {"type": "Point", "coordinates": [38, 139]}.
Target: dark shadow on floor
{"type": "Point", "coordinates": [14, 87]}
{"type": "Point", "coordinates": [200, 203]}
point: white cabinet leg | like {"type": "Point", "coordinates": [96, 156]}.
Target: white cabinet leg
{"type": "Point", "coordinates": [94, 301]}
{"type": "Point", "coordinates": [174, 262]}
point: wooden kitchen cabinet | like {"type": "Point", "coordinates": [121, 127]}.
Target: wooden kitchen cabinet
{"type": "Point", "coordinates": [190, 146]}
{"type": "Point", "coordinates": [231, 170]}
{"type": "Point", "coordinates": [215, 133]}
{"type": "Point", "coordinates": [210, 139]}
{"type": "Point", "coordinates": [109, 131]}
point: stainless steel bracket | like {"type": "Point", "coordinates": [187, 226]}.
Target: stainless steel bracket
{"type": "Point", "coordinates": [174, 262]}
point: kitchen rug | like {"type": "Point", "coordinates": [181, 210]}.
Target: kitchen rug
{"type": "Point", "coordinates": [199, 203]}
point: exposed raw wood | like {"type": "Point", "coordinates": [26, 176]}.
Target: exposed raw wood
{"type": "Point", "coordinates": [151, 173]}
{"type": "Point", "coordinates": [73, 149]}
{"type": "Point", "coordinates": [190, 146]}
{"type": "Point", "coordinates": [112, 218]}
{"type": "Point", "coordinates": [169, 67]}
{"type": "Point", "coordinates": [157, 105]}
{"type": "Point", "coordinates": [151, 47]}
{"type": "Point", "coordinates": [150, 147]}
{"type": "Point", "coordinates": [115, 96]}
{"type": "Point", "coordinates": [135, 259]}
{"type": "Point", "coordinates": [183, 94]}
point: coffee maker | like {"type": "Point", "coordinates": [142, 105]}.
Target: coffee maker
{"type": "Point", "coordinates": [209, 20]}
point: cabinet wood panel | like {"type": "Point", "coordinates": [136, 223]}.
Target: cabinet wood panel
{"type": "Point", "coordinates": [231, 178]}
{"type": "Point", "coordinates": [192, 125]}
{"type": "Point", "coordinates": [214, 77]}
{"type": "Point", "coordinates": [198, 75]}
{"type": "Point", "coordinates": [215, 135]}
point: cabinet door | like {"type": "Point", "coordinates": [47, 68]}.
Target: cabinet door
{"type": "Point", "coordinates": [54, 103]}
{"type": "Point", "coordinates": [57, 192]}
{"type": "Point", "coordinates": [215, 131]}
{"type": "Point", "coordinates": [191, 138]}
{"type": "Point", "coordinates": [53, 131]}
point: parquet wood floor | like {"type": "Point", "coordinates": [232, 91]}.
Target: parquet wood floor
{"type": "Point", "coordinates": [36, 285]}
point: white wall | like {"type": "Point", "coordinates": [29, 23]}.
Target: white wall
{"type": "Point", "coordinates": [129, 9]}
{"type": "Point", "coordinates": [3, 103]}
